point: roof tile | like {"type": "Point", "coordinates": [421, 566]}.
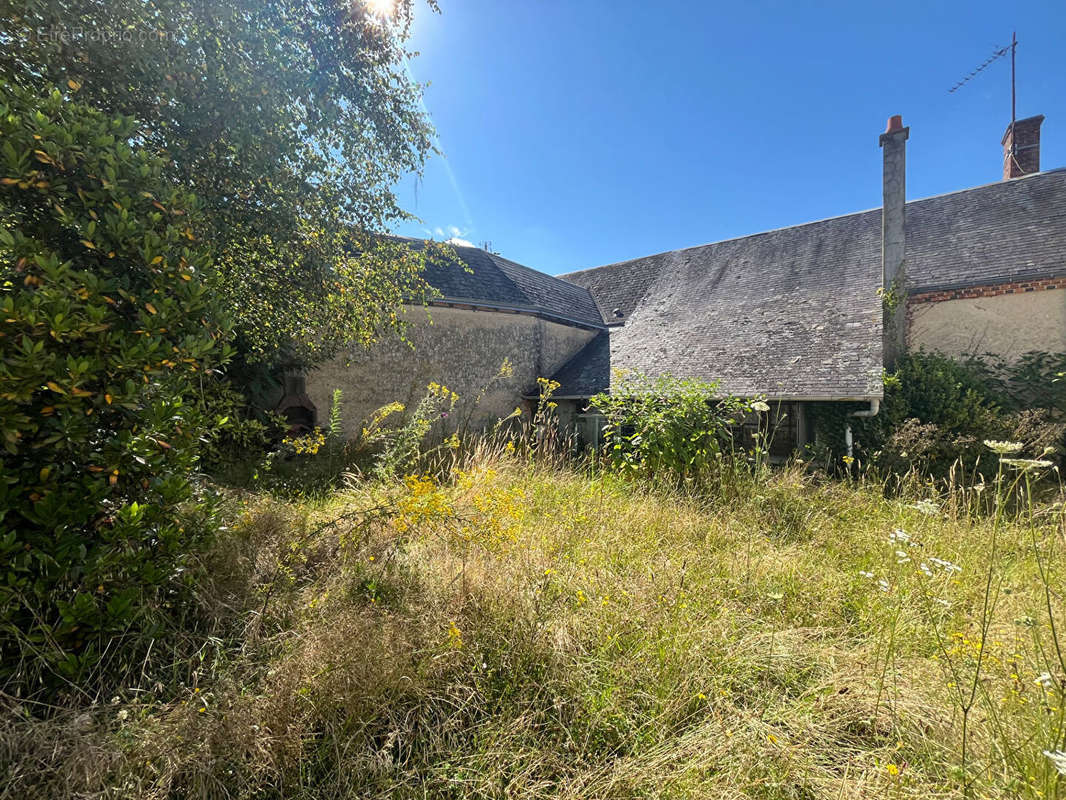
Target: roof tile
{"type": "Point", "coordinates": [795, 312]}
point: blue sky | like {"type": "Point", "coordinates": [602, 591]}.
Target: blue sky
{"type": "Point", "coordinates": [581, 133]}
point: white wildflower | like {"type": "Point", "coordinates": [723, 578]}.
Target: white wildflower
{"type": "Point", "coordinates": [941, 602]}
{"type": "Point", "coordinates": [759, 405]}
{"type": "Point", "coordinates": [902, 557]}
{"type": "Point", "coordinates": [1057, 759]}
{"type": "Point", "coordinates": [1026, 464]}
{"type": "Point", "coordinates": [947, 566]}
{"type": "Point", "coordinates": [123, 714]}
{"type": "Point", "coordinates": [899, 535]}
{"type": "Point", "coordinates": [866, 574]}
{"type": "Point", "coordinates": [927, 507]}
{"type": "Point", "coordinates": [1003, 448]}
{"type": "Point", "coordinates": [926, 570]}
{"type": "Point", "coordinates": [883, 584]}
{"type": "Point", "coordinates": [1045, 680]}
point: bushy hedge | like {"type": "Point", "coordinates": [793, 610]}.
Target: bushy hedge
{"type": "Point", "coordinates": [108, 329]}
{"type": "Point", "coordinates": [669, 429]}
{"type": "Point", "coordinates": [937, 412]}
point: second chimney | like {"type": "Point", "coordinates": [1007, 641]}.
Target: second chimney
{"type": "Point", "coordinates": [893, 239]}
{"type": "Point", "coordinates": [1021, 148]}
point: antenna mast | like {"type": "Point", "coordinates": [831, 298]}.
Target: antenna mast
{"type": "Point", "coordinates": [1013, 96]}
{"type": "Point", "coordinates": [996, 54]}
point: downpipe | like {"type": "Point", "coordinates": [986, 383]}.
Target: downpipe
{"type": "Point", "coordinates": [849, 441]}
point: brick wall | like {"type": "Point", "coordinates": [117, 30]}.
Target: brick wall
{"type": "Point", "coordinates": [992, 290]}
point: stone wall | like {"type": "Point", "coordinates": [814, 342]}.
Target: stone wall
{"type": "Point", "coordinates": [1007, 319]}
{"type": "Point", "coordinates": [460, 348]}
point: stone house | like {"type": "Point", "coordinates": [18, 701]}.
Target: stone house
{"type": "Point", "coordinates": [491, 311]}
{"type": "Point", "coordinates": [808, 313]}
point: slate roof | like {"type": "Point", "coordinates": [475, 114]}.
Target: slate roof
{"type": "Point", "coordinates": [498, 282]}
{"type": "Point", "coordinates": [588, 372]}
{"type": "Point", "coordinates": [1007, 231]}
{"type": "Point", "coordinates": [795, 313]}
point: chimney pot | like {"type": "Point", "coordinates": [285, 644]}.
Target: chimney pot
{"type": "Point", "coordinates": [895, 123]}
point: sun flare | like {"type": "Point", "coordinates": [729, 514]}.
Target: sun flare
{"type": "Point", "coordinates": [384, 9]}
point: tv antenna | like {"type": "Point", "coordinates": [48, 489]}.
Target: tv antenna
{"type": "Point", "coordinates": [996, 55]}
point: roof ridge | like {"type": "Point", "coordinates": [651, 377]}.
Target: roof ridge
{"type": "Point", "coordinates": [539, 291]}
{"type": "Point", "coordinates": [554, 278]}
{"type": "Point", "coordinates": [1018, 180]}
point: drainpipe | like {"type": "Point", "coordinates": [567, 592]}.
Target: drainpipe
{"type": "Point", "coordinates": [875, 406]}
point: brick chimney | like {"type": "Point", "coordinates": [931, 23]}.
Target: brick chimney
{"type": "Point", "coordinates": [1021, 148]}
{"type": "Point", "coordinates": [893, 240]}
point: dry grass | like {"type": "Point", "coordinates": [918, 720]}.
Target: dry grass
{"type": "Point", "coordinates": [529, 632]}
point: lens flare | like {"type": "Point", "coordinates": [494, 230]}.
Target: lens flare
{"type": "Point", "coordinates": [383, 9]}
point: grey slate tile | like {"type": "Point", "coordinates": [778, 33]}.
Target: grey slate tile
{"type": "Point", "coordinates": [795, 312]}
{"type": "Point", "coordinates": [493, 279]}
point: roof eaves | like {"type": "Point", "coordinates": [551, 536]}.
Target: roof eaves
{"type": "Point", "coordinates": [516, 309]}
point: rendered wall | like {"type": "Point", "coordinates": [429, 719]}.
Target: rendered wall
{"type": "Point", "coordinates": [459, 348]}
{"type": "Point", "coordinates": [1006, 324]}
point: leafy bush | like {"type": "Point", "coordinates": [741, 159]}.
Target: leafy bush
{"type": "Point", "coordinates": [934, 388]}
{"type": "Point", "coordinates": [108, 333]}
{"type": "Point", "coordinates": [239, 431]}
{"type": "Point", "coordinates": [937, 411]}
{"type": "Point", "coordinates": [392, 443]}
{"type": "Point", "coordinates": [668, 428]}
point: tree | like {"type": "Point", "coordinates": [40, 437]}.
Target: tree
{"type": "Point", "coordinates": [290, 120]}
{"type": "Point", "coordinates": [108, 327]}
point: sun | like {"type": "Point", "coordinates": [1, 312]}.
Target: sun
{"type": "Point", "coordinates": [383, 9]}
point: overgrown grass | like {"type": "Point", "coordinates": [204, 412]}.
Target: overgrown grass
{"type": "Point", "coordinates": [523, 631]}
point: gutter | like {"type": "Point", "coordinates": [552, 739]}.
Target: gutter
{"type": "Point", "coordinates": [989, 281]}
{"type": "Point", "coordinates": [480, 305]}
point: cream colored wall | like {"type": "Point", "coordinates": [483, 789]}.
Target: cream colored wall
{"type": "Point", "coordinates": [459, 348]}
{"type": "Point", "coordinates": [1007, 325]}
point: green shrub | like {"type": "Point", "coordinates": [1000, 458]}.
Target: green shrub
{"type": "Point", "coordinates": [239, 434]}
{"type": "Point", "coordinates": [108, 334]}
{"type": "Point", "coordinates": [668, 428]}
{"type": "Point", "coordinates": [937, 412]}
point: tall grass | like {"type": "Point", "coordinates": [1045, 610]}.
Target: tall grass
{"type": "Point", "coordinates": [518, 629]}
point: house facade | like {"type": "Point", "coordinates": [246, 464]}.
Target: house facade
{"type": "Point", "coordinates": [811, 313]}
{"type": "Point", "coordinates": [495, 329]}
